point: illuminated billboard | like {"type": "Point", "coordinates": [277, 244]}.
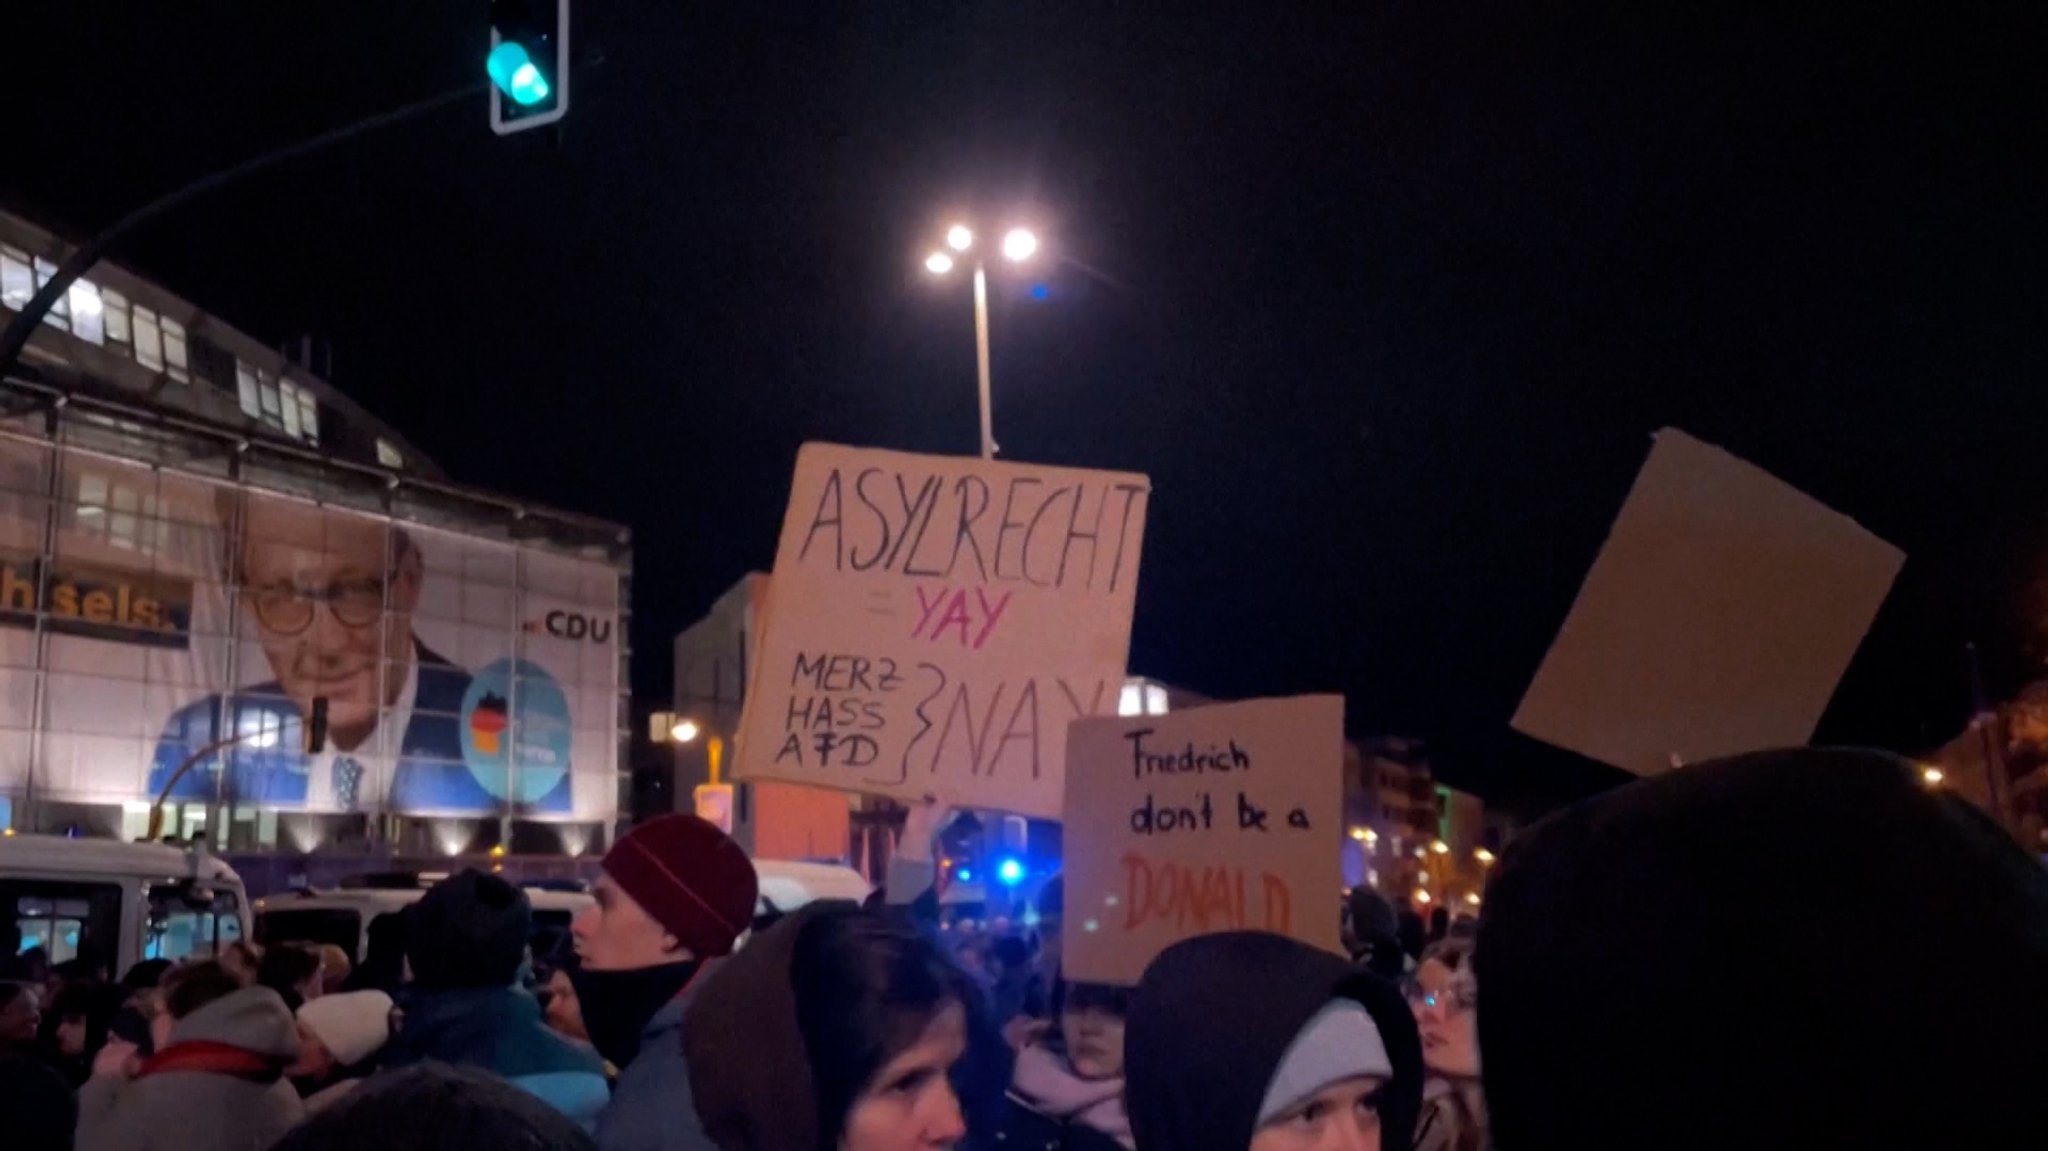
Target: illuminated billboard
{"type": "Point", "coordinates": [148, 617]}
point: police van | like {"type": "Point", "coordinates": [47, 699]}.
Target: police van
{"type": "Point", "coordinates": [342, 916]}
{"type": "Point", "coordinates": [115, 904]}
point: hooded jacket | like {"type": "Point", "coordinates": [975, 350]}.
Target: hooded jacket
{"type": "Point", "coordinates": [651, 1108]}
{"type": "Point", "coordinates": [500, 1030]}
{"type": "Point", "coordinates": [218, 1085]}
{"type": "Point", "coordinates": [1807, 949]}
{"type": "Point", "coordinates": [749, 1069]}
{"type": "Point", "coordinates": [1212, 1019]}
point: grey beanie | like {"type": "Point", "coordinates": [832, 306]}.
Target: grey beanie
{"type": "Point", "coordinates": [1339, 1042]}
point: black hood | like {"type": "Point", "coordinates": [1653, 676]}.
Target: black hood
{"type": "Point", "coordinates": [1792, 949]}
{"type": "Point", "coordinates": [1211, 1020]}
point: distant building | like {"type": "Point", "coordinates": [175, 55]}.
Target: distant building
{"type": "Point", "coordinates": [203, 544]}
{"type": "Point", "coordinates": [1408, 834]}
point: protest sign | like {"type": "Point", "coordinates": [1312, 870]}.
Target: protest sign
{"type": "Point", "coordinates": [934, 622]}
{"type": "Point", "coordinates": [1219, 818]}
{"type": "Point", "coordinates": [1718, 618]}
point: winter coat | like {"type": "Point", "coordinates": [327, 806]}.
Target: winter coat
{"type": "Point", "coordinates": [500, 1030]}
{"type": "Point", "coordinates": [1052, 1109]}
{"type": "Point", "coordinates": [218, 1085]}
{"type": "Point", "coordinates": [1211, 1020]}
{"type": "Point", "coordinates": [651, 1108]}
{"type": "Point", "coordinates": [41, 1114]}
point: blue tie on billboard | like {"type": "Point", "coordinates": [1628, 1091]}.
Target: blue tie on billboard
{"type": "Point", "coordinates": [528, 64]}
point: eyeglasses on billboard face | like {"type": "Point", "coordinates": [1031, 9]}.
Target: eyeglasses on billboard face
{"type": "Point", "coordinates": [286, 609]}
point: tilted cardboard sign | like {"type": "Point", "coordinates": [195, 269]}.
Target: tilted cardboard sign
{"type": "Point", "coordinates": [1219, 818]}
{"type": "Point", "coordinates": [1718, 618]}
{"type": "Point", "coordinates": [934, 622]}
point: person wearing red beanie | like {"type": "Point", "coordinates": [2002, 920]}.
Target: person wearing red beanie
{"type": "Point", "coordinates": [676, 891]}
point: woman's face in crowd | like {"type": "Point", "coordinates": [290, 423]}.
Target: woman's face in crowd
{"type": "Point", "coordinates": [564, 1010]}
{"type": "Point", "coordinates": [1345, 1116]}
{"type": "Point", "coordinates": [910, 1105]}
{"type": "Point", "coordinates": [1444, 1011]}
{"type": "Point", "coordinates": [1095, 1041]}
{"type": "Point", "coordinates": [71, 1036]}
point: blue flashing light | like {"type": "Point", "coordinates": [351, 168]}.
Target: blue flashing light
{"type": "Point", "coordinates": [964, 875]}
{"type": "Point", "coordinates": [1010, 872]}
{"type": "Point", "coordinates": [1040, 291]}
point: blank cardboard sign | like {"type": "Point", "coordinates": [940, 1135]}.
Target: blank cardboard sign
{"type": "Point", "coordinates": [1718, 618]}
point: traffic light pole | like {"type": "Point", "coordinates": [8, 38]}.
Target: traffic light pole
{"type": "Point", "coordinates": [89, 253]}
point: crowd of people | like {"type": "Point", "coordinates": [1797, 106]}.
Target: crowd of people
{"type": "Point", "coordinates": [1805, 949]}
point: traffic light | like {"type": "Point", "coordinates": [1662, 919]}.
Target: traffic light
{"type": "Point", "coordinates": [316, 727]}
{"type": "Point", "coordinates": [528, 64]}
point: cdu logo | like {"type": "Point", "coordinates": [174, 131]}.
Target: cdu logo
{"type": "Point", "coordinates": [573, 625]}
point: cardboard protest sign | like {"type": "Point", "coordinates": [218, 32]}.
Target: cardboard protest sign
{"type": "Point", "coordinates": [1718, 618]}
{"type": "Point", "coordinates": [934, 622]}
{"type": "Point", "coordinates": [1219, 818]}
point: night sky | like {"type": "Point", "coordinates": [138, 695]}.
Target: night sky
{"type": "Point", "coordinates": [1385, 298]}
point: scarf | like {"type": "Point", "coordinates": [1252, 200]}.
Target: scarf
{"type": "Point", "coordinates": [217, 1058]}
{"type": "Point", "coordinates": [1046, 1083]}
{"type": "Point", "coordinates": [617, 1005]}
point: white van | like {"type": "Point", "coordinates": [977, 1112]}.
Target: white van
{"type": "Point", "coordinates": [343, 916]}
{"type": "Point", "coordinates": [116, 903]}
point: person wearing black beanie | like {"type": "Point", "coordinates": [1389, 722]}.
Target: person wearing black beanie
{"type": "Point", "coordinates": [466, 942]}
{"type": "Point", "coordinates": [1800, 949]}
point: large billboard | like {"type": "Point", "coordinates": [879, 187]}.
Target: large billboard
{"type": "Point", "coordinates": [146, 617]}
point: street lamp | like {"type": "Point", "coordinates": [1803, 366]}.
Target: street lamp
{"type": "Point", "coordinates": [684, 731]}
{"type": "Point", "coordinates": [1019, 244]}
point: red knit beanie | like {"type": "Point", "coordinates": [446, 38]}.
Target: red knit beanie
{"type": "Point", "coordinates": [691, 877]}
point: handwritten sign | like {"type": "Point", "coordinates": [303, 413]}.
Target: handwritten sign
{"type": "Point", "coordinates": [1219, 818]}
{"type": "Point", "coordinates": [934, 623]}
{"type": "Point", "coordinates": [1718, 618]}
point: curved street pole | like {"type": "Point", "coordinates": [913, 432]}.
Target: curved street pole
{"type": "Point", "coordinates": [156, 810]}
{"type": "Point", "coordinates": [89, 253]}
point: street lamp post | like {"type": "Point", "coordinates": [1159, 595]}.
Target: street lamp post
{"type": "Point", "coordinates": [1019, 245]}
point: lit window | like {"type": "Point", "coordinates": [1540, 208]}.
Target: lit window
{"type": "Point", "coordinates": [59, 315]}
{"type": "Point", "coordinates": [309, 415]}
{"type": "Point", "coordinates": [17, 282]}
{"type": "Point", "coordinates": [149, 342]}
{"type": "Point", "coordinates": [174, 351]}
{"type": "Point", "coordinates": [87, 312]}
{"type": "Point", "coordinates": [92, 504]}
{"type": "Point", "coordinates": [245, 384]}
{"type": "Point", "coordinates": [123, 527]}
{"type": "Point", "coordinates": [273, 409]}
{"type": "Point", "coordinates": [291, 409]}
{"type": "Point", "coordinates": [114, 305]}
{"type": "Point", "coordinates": [388, 454]}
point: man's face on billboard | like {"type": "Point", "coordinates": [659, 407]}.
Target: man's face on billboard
{"type": "Point", "coordinates": [329, 598]}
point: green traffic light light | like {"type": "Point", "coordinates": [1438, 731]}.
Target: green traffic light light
{"type": "Point", "coordinates": [515, 74]}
